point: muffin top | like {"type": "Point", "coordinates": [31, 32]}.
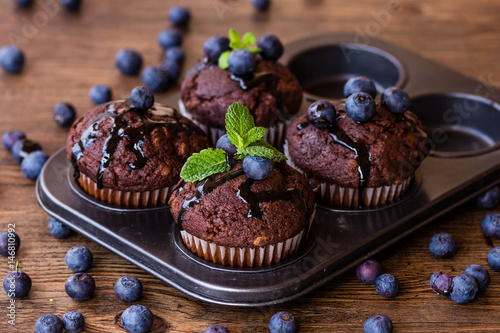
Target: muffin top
{"type": "Point", "coordinates": [387, 149]}
{"type": "Point", "coordinates": [124, 148]}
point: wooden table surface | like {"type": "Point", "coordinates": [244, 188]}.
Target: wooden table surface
{"type": "Point", "coordinates": [68, 53]}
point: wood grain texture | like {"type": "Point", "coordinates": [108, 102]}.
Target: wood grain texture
{"type": "Point", "coordinates": [71, 52]}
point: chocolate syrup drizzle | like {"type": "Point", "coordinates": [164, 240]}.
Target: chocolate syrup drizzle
{"type": "Point", "coordinates": [157, 116]}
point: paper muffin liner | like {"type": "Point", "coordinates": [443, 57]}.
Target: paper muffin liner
{"type": "Point", "coordinates": [242, 256]}
{"type": "Point", "coordinates": [275, 135]}
{"type": "Point", "coordinates": [125, 198]}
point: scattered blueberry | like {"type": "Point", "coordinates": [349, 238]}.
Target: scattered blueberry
{"type": "Point", "coordinates": [491, 225]}
{"type": "Point", "coordinates": [11, 137]}
{"type": "Point", "coordinates": [128, 61]}
{"type": "Point", "coordinates": [11, 59]}
{"type": "Point", "coordinates": [442, 245]}
{"type": "Point", "coordinates": [257, 167]}
{"type": "Point", "coordinates": [176, 54]}
{"type": "Point", "coordinates": [64, 114]}
{"type": "Point", "coordinates": [71, 4]}
{"type": "Point", "coordinates": [270, 47]}
{"type": "Point", "coordinates": [282, 322]}
{"type": "Point", "coordinates": [395, 100]}
{"type": "Point", "coordinates": [378, 324]}
{"type": "Point", "coordinates": [169, 37]}
{"type": "Point", "coordinates": [100, 94]}
{"type": "Point", "coordinates": [387, 285]}
{"type": "Point", "coordinates": [321, 114]}
{"type": "Point", "coordinates": [489, 199]}
{"type": "Point", "coordinates": [441, 283]}
{"type": "Point", "coordinates": [225, 144]}
{"type": "Point", "coordinates": [21, 149]}
{"type": "Point", "coordinates": [24, 3]}
{"type": "Point", "coordinates": [241, 62]}
{"type": "Point", "coordinates": [141, 98]}
{"type": "Point", "coordinates": [262, 5]}
{"type": "Point", "coordinates": [360, 84]}
{"type": "Point", "coordinates": [73, 321]}
{"type": "Point", "coordinates": [215, 46]}
{"type": "Point", "coordinates": [128, 288]}
{"type": "Point", "coordinates": [179, 16]}
{"type": "Point", "coordinates": [494, 259]}
{"type": "Point", "coordinates": [80, 286]}
{"type": "Point", "coordinates": [32, 164]}
{"type": "Point", "coordinates": [17, 284]}
{"type": "Point", "coordinates": [368, 271]}
{"type": "Point", "coordinates": [137, 319]}
{"type": "Point", "coordinates": [58, 229]}
{"type": "Point", "coordinates": [172, 69]}
{"type": "Point", "coordinates": [360, 106]}
{"type": "Point", "coordinates": [49, 323]}
{"type": "Point", "coordinates": [216, 329]}
{"type": "Point", "coordinates": [79, 258]}
{"type": "Point", "coordinates": [155, 79]}
{"type": "Point", "coordinates": [9, 239]}
{"type": "Point", "coordinates": [480, 274]}
{"type": "Point", "coordinates": [463, 289]}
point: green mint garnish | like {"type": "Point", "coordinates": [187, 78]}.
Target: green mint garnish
{"type": "Point", "coordinates": [263, 149]}
{"type": "Point", "coordinates": [240, 126]}
{"type": "Point", "coordinates": [236, 42]}
{"type": "Point", "coordinates": [204, 164]}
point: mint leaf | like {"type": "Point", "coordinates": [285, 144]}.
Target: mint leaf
{"type": "Point", "coordinates": [254, 50]}
{"type": "Point", "coordinates": [239, 122]}
{"type": "Point", "coordinates": [204, 164]}
{"type": "Point", "coordinates": [235, 40]}
{"type": "Point", "coordinates": [254, 134]}
{"type": "Point", "coordinates": [263, 149]}
{"type": "Point", "coordinates": [223, 60]}
{"type": "Point", "coordinates": [249, 39]}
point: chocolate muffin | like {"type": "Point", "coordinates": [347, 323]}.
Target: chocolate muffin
{"type": "Point", "coordinates": [129, 156]}
{"type": "Point", "coordinates": [358, 163]}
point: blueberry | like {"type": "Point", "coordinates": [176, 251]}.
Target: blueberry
{"type": "Point", "coordinates": [172, 69]}
{"type": "Point", "coordinates": [11, 59]}
{"type": "Point", "coordinates": [9, 239]}
{"type": "Point", "coordinates": [128, 288]}
{"type": "Point", "coordinates": [441, 283]}
{"type": "Point", "coordinates": [179, 16]}
{"type": "Point", "coordinates": [442, 245]}
{"type": "Point", "coordinates": [175, 54]}
{"type": "Point", "coordinates": [480, 274]}
{"type": "Point", "coordinates": [491, 225]}
{"type": "Point", "coordinates": [463, 289]}
{"type": "Point", "coordinates": [270, 47]}
{"type": "Point", "coordinates": [241, 62]}
{"type": "Point", "coordinates": [58, 229]}
{"type": "Point", "coordinates": [21, 149]}
{"type": "Point", "coordinates": [395, 100]}
{"type": "Point", "coordinates": [378, 324]}
{"type": "Point", "coordinates": [141, 98]}
{"type": "Point", "coordinates": [79, 258]}
{"type": "Point", "coordinates": [368, 271]}
{"type": "Point", "coordinates": [169, 37]}
{"type": "Point", "coordinates": [262, 5]}
{"type": "Point", "coordinates": [100, 94]}
{"type": "Point", "coordinates": [137, 319]}
{"type": "Point", "coordinates": [387, 285]}
{"type": "Point", "coordinates": [360, 106]}
{"type": "Point", "coordinates": [494, 259]}
{"type": "Point", "coordinates": [64, 114]}
{"type": "Point", "coordinates": [11, 137]}
{"type": "Point", "coordinates": [225, 144]}
{"type": "Point", "coordinates": [49, 323]}
{"type": "Point", "coordinates": [17, 284]}
{"type": "Point", "coordinates": [257, 167]}
{"type": "Point", "coordinates": [489, 199]}
{"type": "Point", "coordinates": [24, 3]}
{"type": "Point", "coordinates": [128, 61]}
{"type": "Point", "coordinates": [321, 114]}
{"type": "Point", "coordinates": [73, 321]}
{"type": "Point", "coordinates": [215, 46]}
{"type": "Point", "coordinates": [360, 84]}
{"type": "Point", "coordinates": [282, 322]}
{"type": "Point", "coordinates": [71, 4]}
{"type": "Point", "coordinates": [216, 329]}
{"type": "Point", "coordinates": [32, 165]}
{"type": "Point", "coordinates": [155, 79]}
{"type": "Point", "coordinates": [80, 286]}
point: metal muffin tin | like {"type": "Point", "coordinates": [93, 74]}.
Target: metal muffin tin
{"type": "Point", "coordinates": [465, 161]}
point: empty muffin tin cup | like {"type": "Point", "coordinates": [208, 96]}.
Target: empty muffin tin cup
{"type": "Point", "coordinates": [459, 125]}
{"type": "Point", "coordinates": [322, 70]}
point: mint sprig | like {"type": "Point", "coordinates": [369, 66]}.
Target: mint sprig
{"type": "Point", "coordinates": [204, 164]}
{"type": "Point", "coordinates": [236, 42]}
{"type": "Point", "coordinates": [263, 149]}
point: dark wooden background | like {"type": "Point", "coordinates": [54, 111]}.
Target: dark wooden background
{"type": "Point", "coordinates": [68, 53]}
